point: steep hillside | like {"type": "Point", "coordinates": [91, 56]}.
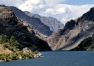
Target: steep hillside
{"type": "Point", "coordinates": [53, 23]}
{"type": "Point", "coordinates": [87, 44]}
{"type": "Point", "coordinates": [10, 25]}
{"type": "Point", "coordinates": [74, 32]}
{"type": "Point", "coordinates": [34, 22]}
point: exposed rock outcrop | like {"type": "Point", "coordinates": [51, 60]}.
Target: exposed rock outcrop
{"type": "Point", "coordinates": [10, 25]}
{"type": "Point", "coordinates": [87, 44]}
{"type": "Point", "coordinates": [32, 21]}
{"type": "Point", "coordinates": [74, 32]}
{"type": "Point", "coordinates": [53, 23]}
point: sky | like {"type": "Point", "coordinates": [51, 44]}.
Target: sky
{"type": "Point", "coordinates": [62, 10]}
{"type": "Point", "coordinates": [79, 2]}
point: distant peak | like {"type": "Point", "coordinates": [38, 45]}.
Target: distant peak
{"type": "Point", "coordinates": [2, 5]}
{"type": "Point", "coordinates": [92, 9]}
{"type": "Point", "coordinates": [88, 15]}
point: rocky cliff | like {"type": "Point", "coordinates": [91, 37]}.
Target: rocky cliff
{"type": "Point", "coordinates": [74, 32]}
{"type": "Point", "coordinates": [53, 23]}
{"type": "Point", "coordinates": [32, 21]}
{"type": "Point", "coordinates": [87, 44]}
{"type": "Point", "coordinates": [11, 25]}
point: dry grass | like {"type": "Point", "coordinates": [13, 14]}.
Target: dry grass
{"type": "Point", "coordinates": [4, 51]}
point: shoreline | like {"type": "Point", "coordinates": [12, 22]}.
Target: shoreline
{"type": "Point", "coordinates": [38, 55]}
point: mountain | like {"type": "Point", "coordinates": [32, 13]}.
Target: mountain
{"type": "Point", "coordinates": [53, 23]}
{"type": "Point", "coordinates": [74, 32]}
{"type": "Point", "coordinates": [32, 21]}
{"type": "Point", "coordinates": [11, 25]}
{"type": "Point", "coordinates": [87, 44]}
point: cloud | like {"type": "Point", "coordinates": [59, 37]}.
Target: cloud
{"type": "Point", "coordinates": [51, 8]}
{"type": "Point", "coordinates": [54, 8]}
{"type": "Point", "coordinates": [53, 2]}
{"type": "Point", "coordinates": [67, 12]}
{"type": "Point", "coordinates": [61, 10]}
{"type": "Point", "coordinates": [31, 5]}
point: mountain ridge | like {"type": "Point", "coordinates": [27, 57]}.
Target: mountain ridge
{"type": "Point", "coordinates": [11, 25]}
{"type": "Point", "coordinates": [53, 23]}
{"type": "Point", "coordinates": [74, 32]}
{"type": "Point", "coordinates": [34, 22]}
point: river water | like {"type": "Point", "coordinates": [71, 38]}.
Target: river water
{"type": "Point", "coordinates": [57, 58]}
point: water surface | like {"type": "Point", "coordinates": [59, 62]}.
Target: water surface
{"type": "Point", "coordinates": [57, 58]}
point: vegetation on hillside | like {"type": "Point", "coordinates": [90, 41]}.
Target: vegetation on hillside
{"type": "Point", "coordinates": [11, 44]}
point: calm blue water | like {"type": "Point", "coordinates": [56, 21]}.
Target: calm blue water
{"type": "Point", "coordinates": [57, 58]}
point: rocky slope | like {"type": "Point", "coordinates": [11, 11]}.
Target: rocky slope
{"type": "Point", "coordinates": [10, 25]}
{"type": "Point", "coordinates": [74, 32]}
{"type": "Point", "coordinates": [34, 22]}
{"type": "Point", "coordinates": [53, 23]}
{"type": "Point", "coordinates": [87, 44]}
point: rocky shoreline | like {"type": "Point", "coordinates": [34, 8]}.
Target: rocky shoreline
{"type": "Point", "coordinates": [38, 55]}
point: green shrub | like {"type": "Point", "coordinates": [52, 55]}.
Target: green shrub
{"type": "Point", "coordinates": [13, 41]}
{"type": "Point", "coordinates": [3, 39]}
{"type": "Point", "coordinates": [13, 45]}
{"type": "Point", "coordinates": [36, 52]}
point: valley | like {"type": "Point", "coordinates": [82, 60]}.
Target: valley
{"type": "Point", "coordinates": [24, 35]}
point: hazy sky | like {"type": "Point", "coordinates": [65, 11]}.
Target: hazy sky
{"type": "Point", "coordinates": [63, 10]}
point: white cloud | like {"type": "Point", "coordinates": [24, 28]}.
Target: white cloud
{"type": "Point", "coordinates": [49, 10]}
{"type": "Point", "coordinates": [53, 2]}
{"type": "Point", "coordinates": [61, 10]}
{"type": "Point", "coordinates": [31, 5]}
{"type": "Point", "coordinates": [52, 8]}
